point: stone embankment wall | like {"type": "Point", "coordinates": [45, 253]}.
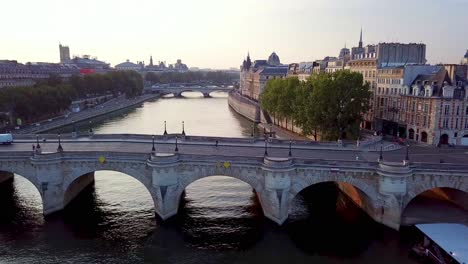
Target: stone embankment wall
{"type": "Point", "coordinates": [244, 106]}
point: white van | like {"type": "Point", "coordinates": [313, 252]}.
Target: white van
{"type": "Point", "coordinates": [6, 139]}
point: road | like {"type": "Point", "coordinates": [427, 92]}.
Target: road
{"type": "Point", "coordinates": [426, 154]}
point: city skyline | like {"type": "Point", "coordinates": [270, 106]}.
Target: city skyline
{"type": "Point", "coordinates": [120, 30]}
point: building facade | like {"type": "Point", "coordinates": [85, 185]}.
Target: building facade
{"type": "Point", "coordinates": [129, 66]}
{"type": "Point", "coordinates": [254, 76]}
{"type": "Point", "coordinates": [13, 73]}
{"type": "Point", "coordinates": [64, 53]}
{"type": "Point", "coordinates": [435, 108]}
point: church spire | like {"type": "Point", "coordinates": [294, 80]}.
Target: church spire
{"type": "Point", "coordinates": [360, 39]}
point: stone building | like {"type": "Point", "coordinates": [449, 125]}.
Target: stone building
{"type": "Point", "coordinates": [465, 58]}
{"type": "Point", "coordinates": [128, 66]}
{"type": "Point", "coordinates": [254, 76]}
{"type": "Point", "coordinates": [64, 53]}
{"type": "Point", "coordinates": [13, 73]}
{"type": "Point", "coordinates": [435, 107]}
{"type": "Point", "coordinates": [387, 100]}
{"type": "Point", "coordinates": [368, 68]}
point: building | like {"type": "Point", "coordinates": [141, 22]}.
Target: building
{"type": "Point", "coordinates": [13, 73]}
{"type": "Point", "coordinates": [254, 76]}
{"type": "Point", "coordinates": [368, 68]}
{"type": "Point", "coordinates": [334, 64]}
{"type": "Point", "coordinates": [88, 64]}
{"type": "Point", "coordinates": [180, 67]}
{"type": "Point", "coordinates": [465, 58]}
{"type": "Point", "coordinates": [64, 53]}
{"type": "Point", "coordinates": [129, 66]}
{"type": "Point", "coordinates": [399, 54]}
{"type": "Point", "coordinates": [387, 57]}
{"type": "Point", "coordinates": [435, 107]}
{"type": "Point", "coordinates": [305, 70]}
{"type": "Point", "coordinates": [387, 101]}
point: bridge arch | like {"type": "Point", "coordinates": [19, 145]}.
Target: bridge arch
{"type": "Point", "coordinates": [423, 185]}
{"type": "Point", "coordinates": [453, 201]}
{"type": "Point", "coordinates": [5, 177]}
{"type": "Point", "coordinates": [72, 180]}
{"type": "Point", "coordinates": [253, 181]}
{"type": "Point", "coordinates": [360, 184]}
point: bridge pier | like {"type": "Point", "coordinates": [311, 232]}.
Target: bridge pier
{"type": "Point", "coordinates": [5, 176]}
{"type": "Point", "coordinates": [274, 197]}
{"type": "Point", "coordinates": [165, 184]}
{"type": "Point", "coordinates": [206, 95]}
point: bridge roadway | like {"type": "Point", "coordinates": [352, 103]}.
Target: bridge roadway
{"type": "Point", "coordinates": [381, 188]}
{"type": "Point", "coordinates": [241, 147]}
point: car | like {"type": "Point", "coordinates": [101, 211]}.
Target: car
{"type": "Point", "coordinates": [6, 139]}
{"type": "Point", "coordinates": [50, 120]}
{"type": "Point", "coordinates": [37, 124]}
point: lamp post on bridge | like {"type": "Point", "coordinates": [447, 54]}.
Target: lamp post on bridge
{"type": "Point", "coordinates": [252, 134]}
{"type": "Point", "coordinates": [153, 149]}
{"type": "Point", "coordinates": [183, 128]}
{"type": "Point", "coordinates": [406, 161]}
{"type": "Point", "coordinates": [165, 130]}
{"type": "Point", "coordinates": [90, 128]}
{"type": "Point", "coordinates": [381, 152]}
{"type": "Point", "coordinates": [38, 147]}
{"type": "Point", "coordinates": [266, 148]}
{"type": "Point", "coordinates": [59, 148]}
{"type": "Point", "coordinates": [176, 147]}
{"type": "Point", "coordinates": [290, 152]}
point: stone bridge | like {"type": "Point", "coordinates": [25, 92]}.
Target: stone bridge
{"type": "Point", "coordinates": [178, 90]}
{"type": "Point", "coordinates": [382, 189]}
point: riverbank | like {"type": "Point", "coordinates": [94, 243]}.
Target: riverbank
{"type": "Point", "coordinates": [110, 106]}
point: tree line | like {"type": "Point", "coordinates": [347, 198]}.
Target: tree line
{"type": "Point", "coordinates": [327, 104]}
{"type": "Point", "coordinates": [52, 96]}
{"type": "Point", "coordinates": [216, 77]}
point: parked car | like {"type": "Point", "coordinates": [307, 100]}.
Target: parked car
{"type": "Point", "coordinates": [6, 139]}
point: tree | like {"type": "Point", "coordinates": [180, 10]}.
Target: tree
{"type": "Point", "coordinates": [338, 102]}
{"type": "Point", "coordinates": [329, 104]}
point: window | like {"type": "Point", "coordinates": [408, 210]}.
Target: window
{"type": "Point", "coordinates": [426, 108]}
{"type": "Point", "coordinates": [424, 121]}
{"type": "Point", "coordinates": [466, 111]}
{"type": "Point", "coordinates": [466, 123]}
{"type": "Point", "coordinates": [413, 106]}
{"type": "Point", "coordinates": [456, 124]}
{"type": "Point", "coordinates": [458, 109]}
{"type": "Point", "coordinates": [446, 121]}
{"type": "Point", "coordinates": [446, 109]}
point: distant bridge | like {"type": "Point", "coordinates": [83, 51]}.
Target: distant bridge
{"type": "Point", "coordinates": [277, 171]}
{"type": "Point", "coordinates": [177, 90]}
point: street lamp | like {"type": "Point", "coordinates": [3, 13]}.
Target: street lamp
{"type": "Point", "coordinates": [253, 130]}
{"type": "Point", "coordinates": [290, 153]}
{"type": "Point", "coordinates": [176, 147]}
{"type": "Point", "coordinates": [90, 127]}
{"type": "Point", "coordinates": [165, 131]}
{"type": "Point", "coordinates": [59, 148]}
{"type": "Point", "coordinates": [183, 129]}
{"type": "Point", "coordinates": [153, 149]}
{"type": "Point", "coordinates": [37, 143]}
{"type": "Point", "coordinates": [407, 152]}
{"type": "Point", "coordinates": [381, 152]}
{"type": "Point", "coordinates": [266, 148]}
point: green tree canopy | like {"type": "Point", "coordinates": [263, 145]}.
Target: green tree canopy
{"type": "Point", "coordinates": [331, 104]}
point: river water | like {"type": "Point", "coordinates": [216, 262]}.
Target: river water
{"type": "Point", "coordinates": [219, 220]}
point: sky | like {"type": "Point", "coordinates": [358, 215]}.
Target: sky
{"type": "Point", "coordinates": [219, 33]}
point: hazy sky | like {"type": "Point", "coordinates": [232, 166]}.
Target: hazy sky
{"type": "Point", "coordinates": [218, 33]}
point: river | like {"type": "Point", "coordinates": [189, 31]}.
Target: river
{"type": "Point", "coordinates": [219, 219]}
